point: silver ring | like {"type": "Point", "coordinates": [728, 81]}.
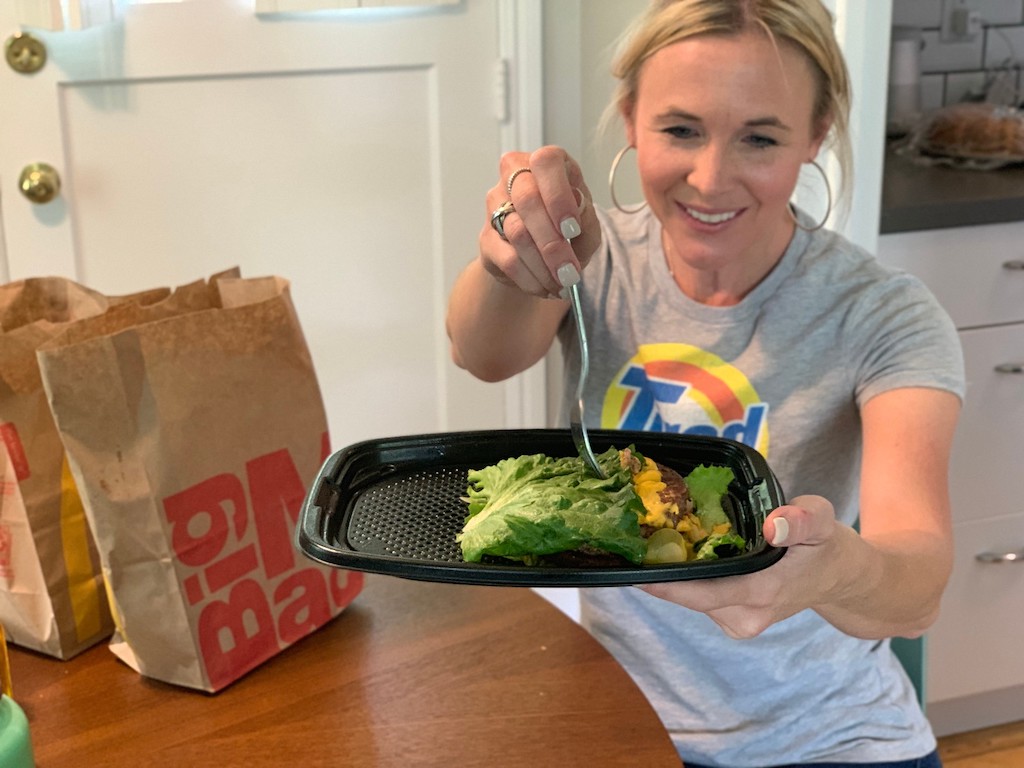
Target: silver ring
{"type": "Point", "coordinates": [498, 218]}
{"type": "Point", "coordinates": [512, 178]}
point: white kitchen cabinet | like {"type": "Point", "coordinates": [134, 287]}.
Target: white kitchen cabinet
{"type": "Point", "coordinates": [974, 668]}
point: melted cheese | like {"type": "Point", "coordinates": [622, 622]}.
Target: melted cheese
{"type": "Point", "coordinates": [648, 485]}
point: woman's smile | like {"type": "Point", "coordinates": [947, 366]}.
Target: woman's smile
{"type": "Point", "coordinates": [710, 218]}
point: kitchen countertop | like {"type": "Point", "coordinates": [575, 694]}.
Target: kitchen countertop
{"type": "Point", "coordinates": [916, 196]}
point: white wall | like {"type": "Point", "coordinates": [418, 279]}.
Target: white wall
{"type": "Point", "coordinates": [578, 49]}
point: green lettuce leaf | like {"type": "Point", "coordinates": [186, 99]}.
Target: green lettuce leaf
{"type": "Point", "coordinates": [534, 505]}
{"type": "Point", "coordinates": [707, 487]}
{"type": "Point", "coordinates": [720, 545]}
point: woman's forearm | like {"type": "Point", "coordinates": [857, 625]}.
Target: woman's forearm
{"type": "Point", "coordinates": [887, 588]}
{"type": "Point", "coordinates": [496, 330]}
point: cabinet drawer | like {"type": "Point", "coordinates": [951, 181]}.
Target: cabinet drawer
{"type": "Point", "coordinates": [977, 273]}
{"type": "Point", "coordinates": [975, 646]}
{"type": "Point", "coordinates": [986, 462]}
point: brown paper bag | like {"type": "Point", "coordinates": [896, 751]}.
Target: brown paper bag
{"type": "Point", "coordinates": [51, 591]}
{"type": "Point", "coordinates": [193, 427]}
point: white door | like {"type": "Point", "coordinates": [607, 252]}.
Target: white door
{"type": "Point", "coordinates": [346, 151]}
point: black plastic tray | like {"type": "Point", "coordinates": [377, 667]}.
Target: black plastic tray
{"type": "Point", "coordinates": [394, 506]}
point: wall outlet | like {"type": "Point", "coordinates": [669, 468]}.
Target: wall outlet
{"type": "Point", "coordinates": [961, 21]}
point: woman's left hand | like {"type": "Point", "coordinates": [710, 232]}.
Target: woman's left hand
{"type": "Point", "coordinates": [744, 606]}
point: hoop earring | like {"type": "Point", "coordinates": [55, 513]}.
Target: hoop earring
{"type": "Point", "coordinates": [611, 182]}
{"type": "Point", "coordinates": [828, 210]}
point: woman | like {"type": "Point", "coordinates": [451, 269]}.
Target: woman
{"type": "Point", "coordinates": [719, 308]}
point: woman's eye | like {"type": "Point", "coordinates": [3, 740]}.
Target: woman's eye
{"type": "Point", "coordinates": [680, 132]}
{"type": "Point", "coordinates": [761, 142]}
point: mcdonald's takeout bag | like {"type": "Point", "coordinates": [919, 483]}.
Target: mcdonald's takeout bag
{"type": "Point", "coordinates": [51, 590]}
{"type": "Point", "coordinates": [192, 427]}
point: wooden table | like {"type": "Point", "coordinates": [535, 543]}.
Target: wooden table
{"type": "Point", "coordinates": [411, 674]}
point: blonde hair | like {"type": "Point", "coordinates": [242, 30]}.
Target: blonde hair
{"type": "Point", "coordinates": [806, 25]}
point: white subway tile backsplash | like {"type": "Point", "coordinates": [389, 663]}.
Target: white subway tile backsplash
{"type": "Point", "coordinates": [1000, 11]}
{"type": "Point", "coordinates": [1003, 86]}
{"type": "Point", "coordinates": [937, 56]}
{"type": "Point", "coordinates": [917, 13]}
{"type": "Point", "coordinates": [928, 13]}
{"type": "Point", "coordinates": [965, 86]}
{"type": "Point", "coordinates": [933, 90]}
{"type": "Point", "coordinates": [1004, 45]}
{"type": "Point", "coordinates": [954, 71]}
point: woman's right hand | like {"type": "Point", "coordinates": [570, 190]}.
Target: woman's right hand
{"type": "Point", "coordinates": [553, 231]}
{"type": "Point", "coordinates": [499, 320]}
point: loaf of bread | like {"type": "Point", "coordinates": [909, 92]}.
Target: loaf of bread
{"type": "Point", "coordinates": [976, 130]}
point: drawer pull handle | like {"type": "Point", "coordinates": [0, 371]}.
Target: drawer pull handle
{"type": "Point", "coordinates": [1015, 264]}
{"type": "Point", "coordinates": [1001, 557]}
{"type": "Point", "coordinates": [1010, 368]}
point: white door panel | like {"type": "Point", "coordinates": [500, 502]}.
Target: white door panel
{"type": "Point", "coordinates": [347, 152]}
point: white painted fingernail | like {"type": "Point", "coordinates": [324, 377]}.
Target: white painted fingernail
{"type": "Point", "coordinates": [781, 532]}
{"type": "Point", "coordinates": [570, 228]}
{"type": "Point", "coordinates": [568, 275]}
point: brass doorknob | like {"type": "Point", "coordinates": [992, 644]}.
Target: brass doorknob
{"type": "Point", "coordinates": [39, 182]}
{"type": "Point", "coordinates": [24, 53]}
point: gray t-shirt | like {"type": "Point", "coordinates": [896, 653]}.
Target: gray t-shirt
{"type": "Point", "coordinates": [784, 371]}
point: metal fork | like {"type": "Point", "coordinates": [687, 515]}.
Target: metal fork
{"type": "Point", "coordinates": [576, 424]}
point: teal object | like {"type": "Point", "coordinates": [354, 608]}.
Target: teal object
{"type": "Point", "coordinates": [15, 745]}
{"type": "Point", "coordinates": [911, 654]}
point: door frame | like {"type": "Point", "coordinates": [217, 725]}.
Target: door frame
{"type": "Point", "coordinates": [520, 27]}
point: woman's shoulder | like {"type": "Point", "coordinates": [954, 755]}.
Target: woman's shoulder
{"type": "Point", "coordinates": [626, 240]}
{"type": "Point", "coordinates": [627, 230]}
{"type": "Point", "coordinates": [831, 258]}
{"type": "Point", "coordinates": [853, 279]}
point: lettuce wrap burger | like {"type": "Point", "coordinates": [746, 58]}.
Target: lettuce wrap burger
{"type": "Point", "coordinates": [540, 510]}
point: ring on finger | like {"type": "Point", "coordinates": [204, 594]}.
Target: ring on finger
{"type": "Point", "coordinates": [498, 218]}
{"type": "Point", "coordinates": [512, 178]}
{"type": "Point", "coordinates": [582, 205]}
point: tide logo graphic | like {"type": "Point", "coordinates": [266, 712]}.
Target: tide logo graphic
{"type": "Point", "coordinates": [681, 388]}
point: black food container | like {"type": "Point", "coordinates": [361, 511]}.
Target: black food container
{"type": "Point", "coordinates": [395, 505]}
